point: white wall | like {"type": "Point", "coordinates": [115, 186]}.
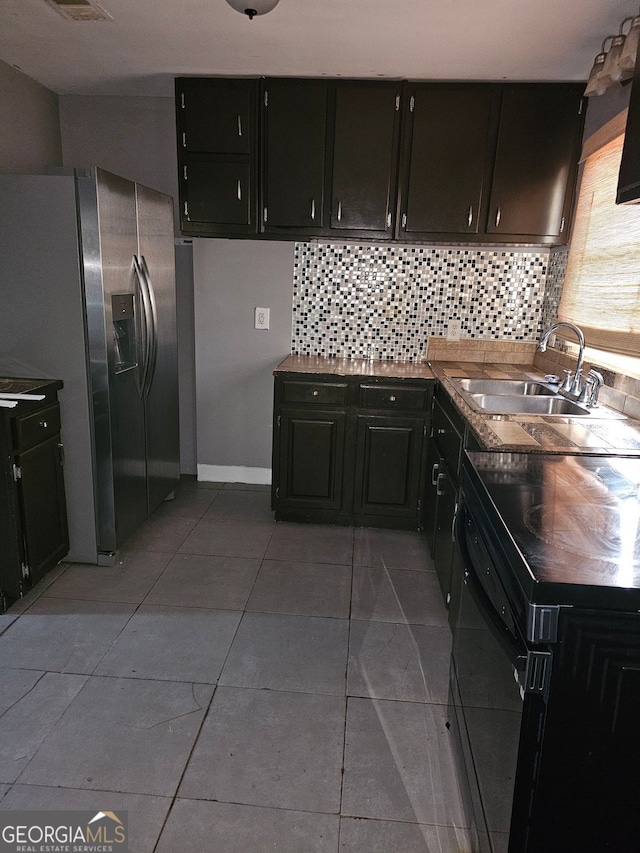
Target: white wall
{"type": "Point", "coordinates": [29, 125]}
{"type": "Point", "coordinates": [234, 361]}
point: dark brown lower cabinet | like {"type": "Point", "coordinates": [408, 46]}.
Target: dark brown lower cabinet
{"type": "Point", "coordinates": [33, 518]}
{"type": "Point", "coordinates": [311, 459]}
{"type": "Point", "coordinates": [348, 451]}
{"type": "Point", "coordinates": [441, 489]}
{"type": "Point", "coordinates": [387, 476]}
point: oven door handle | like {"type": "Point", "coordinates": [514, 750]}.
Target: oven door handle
{"type": "Point", "coordinates": [531, 667]}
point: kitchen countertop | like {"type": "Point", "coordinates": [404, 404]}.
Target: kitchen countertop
{"type": "Point", "coordinates": [355, 367]}
{"type": "Point", "coordinates": [506, 433]}
{"type": "Point", "coordinates": [536, 433]}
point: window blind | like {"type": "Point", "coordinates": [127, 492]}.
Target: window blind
{"type": "Point", "coordinates": [601, 293]}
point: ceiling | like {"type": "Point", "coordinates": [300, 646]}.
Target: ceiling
{"type": "Point", "coordinates": [149, 42]}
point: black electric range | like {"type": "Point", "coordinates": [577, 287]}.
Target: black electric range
{"type": "Point", "coordinates": [545, 675]}
{"type": "Point", "coordinates": [569, 525]}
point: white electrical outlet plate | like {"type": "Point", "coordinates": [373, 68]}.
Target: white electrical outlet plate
{"type": "Point", "coordinates": [262, 318]}
{"type": "Point", "coordinates": [453, 330]}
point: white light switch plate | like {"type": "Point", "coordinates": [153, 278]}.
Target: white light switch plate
{"type": "Point", "coordinates": [262, 318]}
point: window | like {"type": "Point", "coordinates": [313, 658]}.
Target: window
{"type": "Point", "coordinates": [601, 292]}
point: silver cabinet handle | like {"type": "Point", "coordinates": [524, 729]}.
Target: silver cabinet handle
{"type": "Point", "coordinates": [239, 125]}
{"type": "Point", "coordinates": [498, 217]}
{"type": "Point", "coordinates": [453, 522]}
{"type": "Point", "coordinates": [43, 424]}
{"type": "Point", "coordinates": [562, 224]}
{"type": "Point", "coordinates": [239, 190]}
{"type": "Point", "coordinates": [315, 393]}
{"type": "Point", "coordinates": [404, 220]}
{"type": "Point", "coordinates": [313, 208]}
{"type": "Point", "coordinates": [470, 216]}
{"type": "Point", "coordinates": [388, 220]}
{"type": "Point", "coordinates": [339, 211]}
{"type": "Point", "coordinates": [434, 474]}
{"type": "Point", "coordinates": [439, 478]}
{"type": "Point", "coordinates": [392, 398]}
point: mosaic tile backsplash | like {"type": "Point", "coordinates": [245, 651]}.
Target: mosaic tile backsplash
{"type": "Point", "coordinates": [365, 301]}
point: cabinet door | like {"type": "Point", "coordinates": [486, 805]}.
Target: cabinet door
{"type": "Point", "coordinates": [215, 116]}
{"type": "Point", "coordinates": [536, 156]}
{"type": "Point", "coordinates": [310, 459]}
{"type": "Point", "coordinates": [364, 157]}
{"type": "Point", "coordinates": [293, 155]}
{"type": "Point", "coordinates": [217, 193]}
{"type": "Point", "coordinates": [388, 458]}
{"type": "Point", "coordinates": [217, 155]}
{"type": "Point", "coordinates": [42, 505]}
{"type": "Point", "coordinates": [443, 545]}
{"type": "Point", "coordinates": [432, 468]}
{"type": "Point", "coordinates": [445, 159]}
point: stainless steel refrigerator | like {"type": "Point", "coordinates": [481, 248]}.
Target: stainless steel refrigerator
{"type": "Point", "coordinates": [87, 295]}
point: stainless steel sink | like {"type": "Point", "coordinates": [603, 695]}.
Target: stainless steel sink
{"type": "Point", "coordinates": [525, 397]}
{"type": "Point", "coordinates": [525, 388]}
{"type": "Point", "coordinates": [521, 405]}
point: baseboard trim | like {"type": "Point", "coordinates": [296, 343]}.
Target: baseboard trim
{"type": "Point", "coordinates": [234, 474]}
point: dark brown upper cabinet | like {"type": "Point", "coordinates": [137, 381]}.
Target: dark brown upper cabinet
{"type": "Point", "coordinates": [294, 129]}
{"type": "Point", "coordinates": [288, 158]}
{"type": "Point", "coordinates": [536, 156]}
{"type": "Point", "coordinates": [217, 115]}
{"type": "Point", "coordinates": [446, 159]}
{"type": "Point", "coordinates": [365, 155]}
{"type": "Point", "coordinates": [217, 155]}
{"type": "Point", "coordinates": [629, 176]}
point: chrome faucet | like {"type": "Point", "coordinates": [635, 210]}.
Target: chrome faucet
{"type": "Point", "coordinates": [572, 384]}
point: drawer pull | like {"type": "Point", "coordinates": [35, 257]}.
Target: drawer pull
{"type": "Point", "coordinates": [315, 393]}
{"type": "Point", "coordinates": [43, 424]}
{"type": "Point", "coordinates": [442, 431]}
{"type": "Point", "coordinates": [392, 398]}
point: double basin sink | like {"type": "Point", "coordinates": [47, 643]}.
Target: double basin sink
{"type": "Point", "coordinates": [527, 397]}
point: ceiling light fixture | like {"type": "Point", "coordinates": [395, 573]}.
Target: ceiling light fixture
{"type": "Point", "coordinates": [615, 64]}
{"type": "Point", "coordinates": [251, 8]}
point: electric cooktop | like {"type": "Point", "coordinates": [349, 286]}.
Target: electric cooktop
{"type": "Point", "coordinates": [570, 524]}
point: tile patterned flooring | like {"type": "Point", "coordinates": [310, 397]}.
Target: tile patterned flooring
{"type": "Point", "coordinates": [239, 686]}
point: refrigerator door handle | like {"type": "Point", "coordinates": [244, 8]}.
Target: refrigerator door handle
{"type": "Point", "coordinates": [153, 325]}
{"type": "Point", "coordinates": [144, 328]}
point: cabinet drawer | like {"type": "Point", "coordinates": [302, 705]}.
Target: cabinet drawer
{"type": "Point", "coordinates": [394, 397]}
{"type": "Point", "coordinates": [34, 428]}
{"type": "Point", "coordinates": [320, 393]}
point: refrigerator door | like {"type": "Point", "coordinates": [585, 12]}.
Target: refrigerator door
{"type": "Point", "coordinates": [160, 383]}
{"type": "Point", "coordinates": [109, 244]}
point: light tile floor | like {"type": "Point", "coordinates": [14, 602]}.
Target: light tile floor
{"type": "Point", "coordinates": [238, 686]}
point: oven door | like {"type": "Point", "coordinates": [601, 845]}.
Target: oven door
{"type": "Point", "coordinates": [498, 689]}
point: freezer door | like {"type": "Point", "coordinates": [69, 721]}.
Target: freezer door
{"type": "Point", "coordinates": [117, 406]}
{"type": "Point", "coordinates": [160, 382]}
